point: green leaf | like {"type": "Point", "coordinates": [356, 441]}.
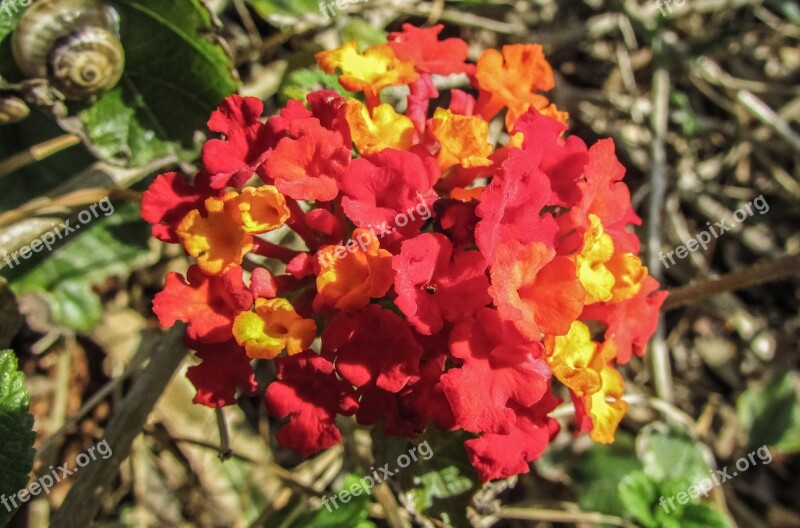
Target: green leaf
{"type": "Point", "coordinates": [175, 75]}
{"type": "Point", "coordinates": [10, 12]}
{"type": "Point", "coordinates": [16, 448]}
{"type": "Point", "coordinates": [703, 516]}
{"type": "Point", "coordinates": [112, 246]}
{"type": "Point", "coordinates": [771, 414]}
{"type": "Point", "coordinates": [285, 12]}
{"type": "Point", "coordinates": [639, 494]}
{"type": "Point", "coordinates": [364, 33]}
{"type": "Point", "coordinates": [352, 513]}
{"type": "Point", "coordinates": [299, 83]}
{"type": "Point", "coordinates": [439, 481]}
{"type": "Point", "coordinates": [672, 455]}
{"type": "Point", "coordinates": [597, 473]}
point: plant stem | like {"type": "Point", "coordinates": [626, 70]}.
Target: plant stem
{"type": "Point", "coordinates": [758, 273]}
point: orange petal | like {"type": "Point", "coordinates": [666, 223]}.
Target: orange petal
{"type": "Point", "coordinates": [257, 210]}
{"type": "Point", "coordinates": [352, 274]}
{"type": "Point", "coordinates": [464, 140]}
{"type": "Point", "coordinates": [215, 240]}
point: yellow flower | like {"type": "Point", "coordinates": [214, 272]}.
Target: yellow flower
{"type": "Point", "coordinates": [464, 140]}
{"type": "Point", "coordinates": [572, 359]}
{"type": "Point", "coordinates": [274, 326]}
{"type": "Point", "coordinates": [384, 129]}
{"type": "Point", "coordinates": [606, 415]}
{"type": "Point", "coordinates": [598, 249]}
{"type": "Point", "coordinates": [371, 72]}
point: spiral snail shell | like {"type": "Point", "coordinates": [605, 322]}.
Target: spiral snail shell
{"type": "Point", "coordinates": [72, 43]}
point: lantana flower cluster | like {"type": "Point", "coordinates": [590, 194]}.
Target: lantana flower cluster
{"type": "Point", "coordinates": [444, 280]}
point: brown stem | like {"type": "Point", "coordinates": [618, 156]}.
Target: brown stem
{"type": "Point", "coordinates": [85, 499]}
{"type": "Point", "coordinates": [758, 273]}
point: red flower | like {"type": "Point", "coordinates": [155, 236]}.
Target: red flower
{"type": "Point", "coordinates": [420, 93]}
{"type": "Point", "coordinates": [433, 284]}
{"type": "Point", "coordinates": [511, 205]}
{"type": "Point", "coordinates": [308, 392]}
{"type": "Point", "coordinates": [235, 159]}
{"type": "Point", "coordinates": [225, 368]}
{"type": "Point", "coordinates": [603, 193]}
{"type": "Point", "coordinates": [166, 202]}
{"type": "Point", "coordinates": [630, 323]}
{"type": "Point", "coordinates": [390, 191]}
{"type": "Point", "coordinates": [209, 304]}
{"type": "Point", "coordinates": [562, 160]}
{"type": "Point", "coordinates": [457, 220]}
{"type": "Point", "coordinates": [497, 456]}
{"type": "Point", "coordinates": [380, 405]}
{"type": "Point", "coordinates": [430, 55]}
{"type": "Point", "coordinates": [500, 366]}
{"type": "Point", "coordinates": [372, 346]}
{"type": "Point", "coordinates": [306, 164]}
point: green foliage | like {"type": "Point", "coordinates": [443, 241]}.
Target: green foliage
{"type": "Point", "coordinates": [598, 471]}
{"type": "Point", "coordinates": [440, 487]}
{"type": "Point", "coordinates": [299, 83]}
{"type": "Point", "coordinates": [672, 455]}
{"type": "Point", "coordinates": [175, 75]}
{"type": "Point", "coordinates": [112, 245]}
{"type": "Point", "coordinates": [771, 414]}
{"type": "Point", "coordinates": [287, 10]}
{"type": "Point", "coordinates": [349, 514]}
{"type": "Point", "coordinates": [614, 480]}
{"type": "Point", "coordinates": [16, 449]}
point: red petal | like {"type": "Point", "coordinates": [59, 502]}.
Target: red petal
{"type": "Point", "coordinates": [209, 304]}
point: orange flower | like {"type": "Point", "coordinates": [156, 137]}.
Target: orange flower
{"type": "Point", "coordinates": [352, 274]}
{"type": "Point", "coordinates": [629, 274]}
{"type": "Point", "coordinates": [257, 210]}
{"type": "Point", "coordinates": [371, 72]}
{"type": "Point", "coordinates": [511, 79]}
{"type": "Point", "coordinates": [215, 240]}
{"type": "Point", "coordinates": [384, 129]}
{"type": "Point", "coordinates": [464, 140]}
{"type": "Point", "coordinates": [274, 326]}
{"type": "Point", "coordinates": [537, 290]}
{"type": "Point", "coordinates": [222, 237]}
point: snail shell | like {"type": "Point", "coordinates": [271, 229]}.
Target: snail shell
{"type": "Point", "coordinates": [12, 109]}
{"type": "Point", "coordinates": [73, 43]}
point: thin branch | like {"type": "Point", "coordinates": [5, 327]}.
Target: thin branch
{"type": "Point", "coordinates": [759, 273]}
{"type": "Point", "coordinates": [95, 481]}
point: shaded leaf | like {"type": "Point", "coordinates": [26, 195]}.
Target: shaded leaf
{"type": "Point", "coordinates": [16, 448]}
{"type": "Point", "coordinates": [113, 245]}
{"type": "Point", "coordinates": [771, 414]}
